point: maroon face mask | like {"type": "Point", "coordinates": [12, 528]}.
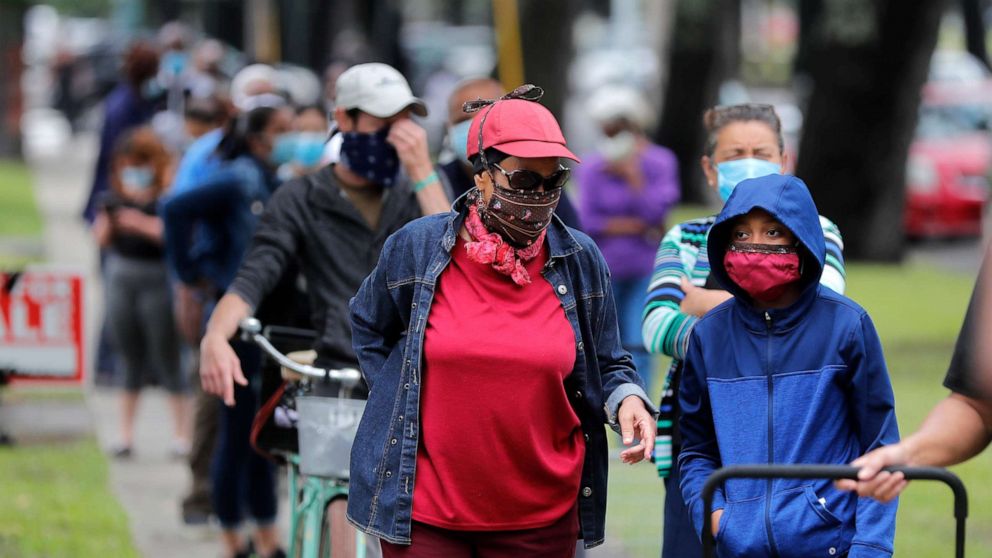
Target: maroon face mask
{"type": "Point", "coordinates": [764, 271]}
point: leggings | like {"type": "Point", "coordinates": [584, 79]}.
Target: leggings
{"type": "Point", "coordinates": [242, 480]}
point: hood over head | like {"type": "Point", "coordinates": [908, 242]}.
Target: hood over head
{"type": "Point", "coordinates": [788, 200]}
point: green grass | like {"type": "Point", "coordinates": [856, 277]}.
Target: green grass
{"type": "Point", "coordinates": [17, 203]}
{"type": "Point", "coordinates": [55, 502]}
{"type": "Point", "coordinates": [917, 310]}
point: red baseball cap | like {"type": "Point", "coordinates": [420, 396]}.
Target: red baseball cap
{"type": "Point", "coordinates": [519, 128]}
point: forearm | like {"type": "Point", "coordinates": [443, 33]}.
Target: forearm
{"type": "Point", "coordinates": [228, 313]}
{"type": "Point", "coordinates": [624, 226]}
{"type": "Point", "coordinates": [932, 445]}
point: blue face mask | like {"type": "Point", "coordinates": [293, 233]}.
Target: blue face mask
{"type": "Point", "coordinates": [370, 156]}
{"type": "Point", "coordinates": [730, 173]}
{"type": "Point", "coordinates": [309, 148]}
{"type": "Point", "coordinates": [174, 62]}
{"type": "Point", "coordinates": [458, 139]}
{"type": "Point", "coordinates": [283, 149]}
{"type": "Point", "coordinates": [137, 178]}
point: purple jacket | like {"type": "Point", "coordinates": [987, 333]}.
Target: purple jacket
{"type": "Point", "coordinates": [606, 195]}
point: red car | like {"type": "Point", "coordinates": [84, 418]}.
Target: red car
{"type": "Point", "coordinates": [950, 162]}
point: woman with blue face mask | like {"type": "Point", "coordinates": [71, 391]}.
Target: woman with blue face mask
{"type": "Point", "coordinates": [743, 141]}
{"type": "Point", "coordinates": [138, 299]}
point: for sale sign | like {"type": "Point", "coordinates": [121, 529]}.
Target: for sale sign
{"type": "Point", "coordinates": [41, 324]}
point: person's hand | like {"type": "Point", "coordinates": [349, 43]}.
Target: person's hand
{"type": "Point", "coordinates": [189, 313]}
{"type": "Point", "coordinates": [872, 481]}
{"type": "Point", "coordinates": [629, 170]}
{"type": "Point", "coordinates": [410, 142]}
{"type": "Point", "coordinates": [698, 301]}
{"type": "Point", "coordinates": [635, 421]}
{"type": "Point", "coordinates": [220, 368]}
{"type": "Point", "coordinates": [715, 523]}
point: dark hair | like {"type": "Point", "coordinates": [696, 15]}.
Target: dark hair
{"type": "Point", "coordinates": [717, 118]}
{"type": "Point", "coordinates": [140, 63]}
{"type": "Point", "coordinates": [493, 157]}
{"type": "Point", "coordinates": [306, 108]}
{"type": "Point", "coordinates": [207, 110]}
{"type": "Point", "coordinates": [242, 128]}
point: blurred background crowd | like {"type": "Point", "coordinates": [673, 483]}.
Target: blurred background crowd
{"type": "Point", "coordinates": [885, 106]}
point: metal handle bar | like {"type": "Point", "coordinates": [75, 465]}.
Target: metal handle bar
{"type": "Point", "coordinates": [829, 472]}
{"type": "Point", "coordinates": [251, 331]}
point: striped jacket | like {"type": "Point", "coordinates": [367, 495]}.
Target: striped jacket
{"type": "Point", "coordinates": [666, 329]}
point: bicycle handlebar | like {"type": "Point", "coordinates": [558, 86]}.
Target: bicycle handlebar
{"type": "Point", "coordinates": [829, 472]}
{"type": "Point", "coordinates": [251, 331]}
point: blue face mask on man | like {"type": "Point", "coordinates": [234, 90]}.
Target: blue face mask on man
{"type": "Point", "coordinates": [458, 139]}
{"type": "Point", "coordinates": [731, 173]}
{"type": "Point", "coordinates": [370, 156]}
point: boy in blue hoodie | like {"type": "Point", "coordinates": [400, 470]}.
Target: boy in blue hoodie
{"type": "Point", "coordinates": [784, 372]}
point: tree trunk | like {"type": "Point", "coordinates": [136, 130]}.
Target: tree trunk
{"type": "Point", "coordinates": [11, 41]}
{"type": "Point", "coordinates": [546, 37]}
{"type": "Point", "coordinates": [867, 62]}
{"type": "Point", "coordinates": [700, 53]}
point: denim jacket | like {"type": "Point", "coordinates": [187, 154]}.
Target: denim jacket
{"type": "Point", "coordinates": [389, 316]}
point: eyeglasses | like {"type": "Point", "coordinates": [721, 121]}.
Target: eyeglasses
{"type": "Point", "coordinates": [523, 179]}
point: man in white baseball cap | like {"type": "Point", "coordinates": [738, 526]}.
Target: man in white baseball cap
{"type": "Point", "coordinates": [376, 89]}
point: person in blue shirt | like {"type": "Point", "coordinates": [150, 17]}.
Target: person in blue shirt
{"type": "Point", "coordinates": [786, 371]}
{"type": "Point", "coordinates": [228, 203]}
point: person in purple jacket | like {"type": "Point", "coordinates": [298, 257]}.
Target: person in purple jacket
{"type": "Point", "coordinates": [627, 189]}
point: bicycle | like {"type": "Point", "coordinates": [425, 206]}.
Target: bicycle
{"type": "Point", "coordinates": [318, 473]}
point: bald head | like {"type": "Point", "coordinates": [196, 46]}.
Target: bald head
{"type": "Point", "coordinates": [470, 90]}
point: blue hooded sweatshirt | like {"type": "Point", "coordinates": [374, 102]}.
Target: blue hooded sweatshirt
{"type": "Point", "coordinates": [802, 384]}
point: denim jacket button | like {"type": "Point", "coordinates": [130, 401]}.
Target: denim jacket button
{"type": "Point", "coordinates": [562, 289]}
{"type": "Point", "coordinates": [578, 395]}
{"type": "Point", "coordinates": [586, 437]}
{"type": "Point", "coordinates": [580, 345]}
{"type": "Point", "coordinates": [414, 305]}
{"type": "Point", "coordinates": [393, 441]}
{"type": "Point", "coordinates": [587, 492]}
{"type": "Point", "coordinates": [389, 474]}
{"type": "Point", "coordinates": [832, 551]}
{"type": "Point", "coordinates": [406, 386]}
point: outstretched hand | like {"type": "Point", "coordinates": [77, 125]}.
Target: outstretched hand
{"type": "Point", "coordinates": [636, 423]}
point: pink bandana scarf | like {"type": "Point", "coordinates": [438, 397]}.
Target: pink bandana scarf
{"type": "Point", "coordinates": [489, 248]}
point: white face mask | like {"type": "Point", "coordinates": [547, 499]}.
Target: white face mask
{"type": "Point", "coordinates": [618, 147]}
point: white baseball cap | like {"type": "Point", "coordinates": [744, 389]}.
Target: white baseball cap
{"type": "Point", "coordinates": [376, 89]}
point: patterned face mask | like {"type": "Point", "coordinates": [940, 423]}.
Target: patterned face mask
{"type": "Point", "coordinates": [518, 216]}
{"type": "Point", "coordinates": [370, 156]}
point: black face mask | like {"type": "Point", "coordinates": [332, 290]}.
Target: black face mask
{"type": "Point", "coordinates": [518, 216]}
{"type": "Point", "coordinates": [370, 156]}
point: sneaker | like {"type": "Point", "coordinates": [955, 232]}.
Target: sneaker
{"type": "Point", "coordinates": [121, 452]}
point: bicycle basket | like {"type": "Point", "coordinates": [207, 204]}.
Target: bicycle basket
{"type": "Point", "coordinates": [327, 427]}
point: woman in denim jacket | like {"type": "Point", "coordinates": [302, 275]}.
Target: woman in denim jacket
{"type": "Point", "coordinates": [488, 338]}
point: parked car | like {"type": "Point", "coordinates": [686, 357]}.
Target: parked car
{"type": "Point", "coordinates": [950, 159]}
{"type": "Point", "coordinates": [949, 166]}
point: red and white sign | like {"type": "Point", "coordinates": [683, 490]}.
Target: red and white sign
{"type": "Point", "coordinates": [41, 324]}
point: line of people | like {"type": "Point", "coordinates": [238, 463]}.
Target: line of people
{"type": "Point", "coordinates": [492, 334]}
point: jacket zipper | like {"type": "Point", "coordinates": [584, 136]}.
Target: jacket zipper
{"type": "Point", "coordinates": [771, 435]}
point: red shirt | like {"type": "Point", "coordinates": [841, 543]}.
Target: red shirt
{"type": "Point", "coordinates": [500, 446]}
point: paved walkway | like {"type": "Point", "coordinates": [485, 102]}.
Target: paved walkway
{"type": "Point", "coordinates": [148, 486]}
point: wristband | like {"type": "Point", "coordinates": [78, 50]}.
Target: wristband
{"type": "Point", "coordinates": [425, 181]}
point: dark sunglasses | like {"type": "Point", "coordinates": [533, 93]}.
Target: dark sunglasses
{"type": "Point", "coordinates": [522, 179]}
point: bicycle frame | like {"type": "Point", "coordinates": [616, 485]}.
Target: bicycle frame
{"type": "Point", "coordinates": [311, 497]}
{"type": "Point", "coordinates": [829, 472]}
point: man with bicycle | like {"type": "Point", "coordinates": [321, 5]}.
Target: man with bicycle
{"type": "Point", "coordinates": [333, 222]}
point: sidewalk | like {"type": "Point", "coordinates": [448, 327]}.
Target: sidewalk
{"type": "Point", "coordinates": [150, 485]}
